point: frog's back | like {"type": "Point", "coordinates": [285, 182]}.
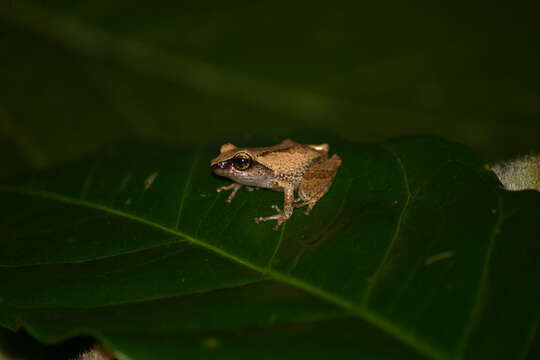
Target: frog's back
{"type": "Point", "coordinates": [289, 160]}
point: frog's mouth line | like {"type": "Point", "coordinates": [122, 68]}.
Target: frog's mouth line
{"type": "Point", "coordinates": [222, 168]}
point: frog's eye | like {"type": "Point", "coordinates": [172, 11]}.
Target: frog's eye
{"type": "Point", "coordinates": [241, 161]}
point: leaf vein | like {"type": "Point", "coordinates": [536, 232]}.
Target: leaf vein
{"type": "Point", "coordinates": [205, 216]}
{"type": "Point", "coordinates": [187, 184]}
{"type": "Point", "coordinates": [370, 316]}
{"type": "Point", "coordinates": [376, 275]}
{"type": "Point", "coordinates": [278, 245]}
{"type": "Point", "coordinates": [477, 308]}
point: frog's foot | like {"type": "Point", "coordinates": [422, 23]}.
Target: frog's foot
{"type": "Point", "coordinates": [234, 187]}
{"type": "Point", "coordinates": [309, 204]}
{"type": "Point", "coordinates": [280, 217]}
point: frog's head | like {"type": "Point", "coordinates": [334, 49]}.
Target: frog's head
{"type": "Point", "coordinates": [241, 166]}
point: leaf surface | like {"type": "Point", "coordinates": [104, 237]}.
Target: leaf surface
{"type": "Point", "coordinates": [410, 252]}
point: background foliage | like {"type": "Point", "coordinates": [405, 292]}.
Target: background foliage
{"type": "Point", "coordinates": [76, 75]}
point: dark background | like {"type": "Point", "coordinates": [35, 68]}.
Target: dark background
{"type": "Point", "coordinates": [77, 75]}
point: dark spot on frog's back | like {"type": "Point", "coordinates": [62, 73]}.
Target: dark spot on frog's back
{"type": "Point", "coordinates": [272, 151]}
{"type": "Point", "coordinates": [288, 148]}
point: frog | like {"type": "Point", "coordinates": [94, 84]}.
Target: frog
{"type": "Point", "coordinates": [287, 167]}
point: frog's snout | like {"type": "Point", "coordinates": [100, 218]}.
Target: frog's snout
{"type": "Point", "coordinates": [221, 167]}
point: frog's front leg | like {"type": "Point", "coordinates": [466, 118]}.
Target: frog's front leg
{"type": "Point", "coordinates": [281, 216]}
{"type": "Point", "coordinates": [234, 187]}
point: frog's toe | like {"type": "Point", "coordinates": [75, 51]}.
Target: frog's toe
{"type": "Point", "coordinates": [280, 220]}
{"type": "Point", "coordinates": [278, 217]}
{"type": "Point", "coordinates": [309, 208]}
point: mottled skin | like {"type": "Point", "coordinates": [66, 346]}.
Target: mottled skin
{"type": "Point", "coordinates": [286, 167]}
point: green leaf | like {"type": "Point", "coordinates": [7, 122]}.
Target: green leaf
{"type": "Point", "coordinates": [413, 252]}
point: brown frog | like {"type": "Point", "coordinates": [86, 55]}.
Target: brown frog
{"type": "Point", "coordinates": [287, 166]}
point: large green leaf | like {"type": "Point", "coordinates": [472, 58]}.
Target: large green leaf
{"type": "Point", "coordinates": [415, 252]}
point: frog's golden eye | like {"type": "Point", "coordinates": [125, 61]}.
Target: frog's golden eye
{"type": "Point", "coordinates": [242, 161]}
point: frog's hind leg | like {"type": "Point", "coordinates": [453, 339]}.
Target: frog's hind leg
{"type": "Point", "coordinates": [316, 182]}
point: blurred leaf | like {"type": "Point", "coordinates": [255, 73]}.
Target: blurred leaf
{"type": "Point", "coordinates": [77, 75]}
{"type": "Point", "coordinates": [415, 251]}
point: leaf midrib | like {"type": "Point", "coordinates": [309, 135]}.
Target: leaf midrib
{"type": "Point", "coordinates": [362, 313]}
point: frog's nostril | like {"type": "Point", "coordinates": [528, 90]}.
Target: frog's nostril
{"type": "Point", "coordinates": [220, 165]}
